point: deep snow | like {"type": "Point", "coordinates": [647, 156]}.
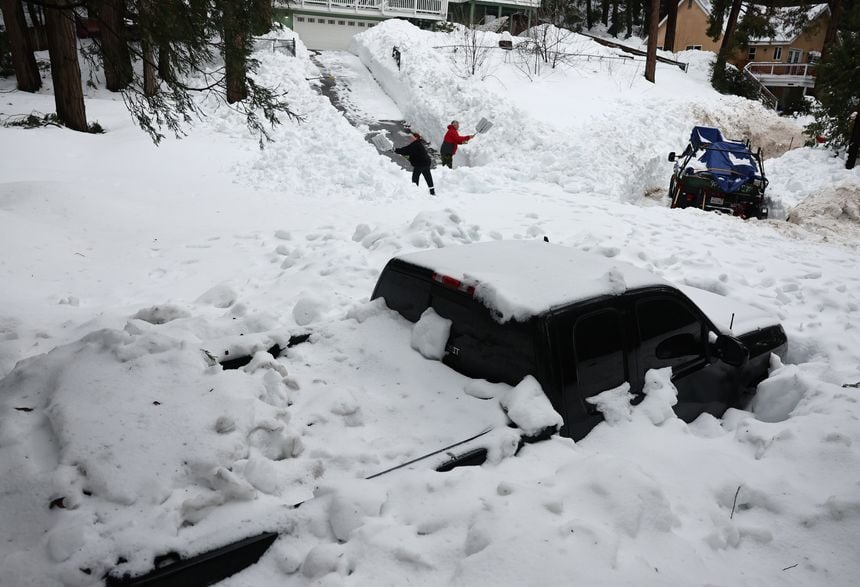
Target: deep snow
{"type": "Point", "coordinates": [129, 270]}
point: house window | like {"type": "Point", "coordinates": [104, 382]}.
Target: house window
{"type": "Point", "coordinates": [794, 55]}
{"type": "Point", "coordinates": [312, 20]}
{"type": "Point", "coordinates": [331, 21]}
{"type": "Point", "coordinates": [351, 23]}
{"type": "Point", "coordinates": [777, 53]}
{"type": "Point", "coordinates": [300, 18]}
{"type": "Point", "coordinates": [751, 54]}
{"type": "Point", "coordinates": [341, 22]}
{"type": "Point", "coordinates": [693, 48]}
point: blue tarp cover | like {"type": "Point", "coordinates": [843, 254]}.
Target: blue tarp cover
{"type": "Point", "coordinates": [731, 163]}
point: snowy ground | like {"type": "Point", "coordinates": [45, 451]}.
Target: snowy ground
{"type": "Point", "coordinates": [122, 263]}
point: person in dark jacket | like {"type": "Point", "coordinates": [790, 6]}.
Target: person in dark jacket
{"type": "Point", "coordinates": [450, 142]}
{"type": "Point", "coordinates": [419, 159]}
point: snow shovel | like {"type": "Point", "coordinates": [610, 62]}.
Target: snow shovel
{"type": "Point", "coordinates": [381, 142]}
{"type": "Point", "coordinates": [483, 126]}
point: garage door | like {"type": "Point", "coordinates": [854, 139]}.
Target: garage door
{"type": "Point", "coordinates": [322, 32]}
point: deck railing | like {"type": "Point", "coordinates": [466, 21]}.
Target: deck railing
{"type": "Point", "coordinates": [435, 9]}
{"type": "Point", "coordinates": [776, 68]}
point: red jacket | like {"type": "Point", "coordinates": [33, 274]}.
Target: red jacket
{"type": "Point", "coordinates": [453, 137]}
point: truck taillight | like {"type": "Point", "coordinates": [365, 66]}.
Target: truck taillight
{"type": "Point", "coordinates": [450, 282]}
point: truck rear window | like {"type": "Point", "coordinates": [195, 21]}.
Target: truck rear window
{"type": "Point", "coordinates": [404, 289]}
{"type": "Point", "coordinates": [479, 346]}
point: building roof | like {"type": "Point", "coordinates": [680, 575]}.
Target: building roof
{"type": "Point", "coordinates": [525, 278]}
{"type": "Point", "coordinates": [784, 35]}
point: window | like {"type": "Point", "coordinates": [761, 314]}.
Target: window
{"type": "Point", "coordinates": [693, 48]}
{"type": "Point", "coordinates": [350, 22]}
{"type": "Point", "coordinates": [341, 22]}
{"type": "Point", "coordinates": [670, 334]}
{"type": "Point", "coordinates": [300, 18]}
{"type": "Point", "coordinates": [478, 346]}
{"type": "Point", "coordinates": [794, 55]}
{"type": "Point", "coordinates": [361, 24]}
{"type": "Point", "coordinates": [403, 291]}
{"type": "Point", "coordinates": [331, 21]}
{"type": "Point", "coordinates": [777, 53]}
{"type": "Point", "coordinates": [312, 20]}
{"type": "Point", "coordinates": [751, 54]}
{"type": "Point", "coordinates": [598, 341]}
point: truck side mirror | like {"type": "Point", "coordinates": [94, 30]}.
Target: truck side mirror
{"type": "Point", "coordinates": [731, 351]}
{"type": "Point", "coordinates": [672, 156]}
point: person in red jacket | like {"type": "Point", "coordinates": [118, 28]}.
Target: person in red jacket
{"type": "Point", "coordinates": [450, 142]}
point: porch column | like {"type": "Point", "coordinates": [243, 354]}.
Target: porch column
{"type": "Point", "coordinates": [472, 13]}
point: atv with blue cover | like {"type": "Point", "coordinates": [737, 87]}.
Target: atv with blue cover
{"type": "Point", "coordinates": [714, 173]}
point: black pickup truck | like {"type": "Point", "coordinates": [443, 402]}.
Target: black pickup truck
{"type": "Point", "coordinates": [579, 323]}
{"type": "Point", "coordinates": [582, 324]}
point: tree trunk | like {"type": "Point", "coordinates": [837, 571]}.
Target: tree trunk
{"type": "Point", "coordinates": [235, 29]}
{"type": "Point", "coordinates": [651, 58]}
{"type": "Point", "coordinates": [39, 37]}
{"type": "Point", "coordinates": [854, 143]}
{"type": "Point", "coordinates": [117, 61]}
{"type": "Point", "coordinates": [671, 26]}
{"type": "Point", "coordinates": [589, 15]}
{"type": "Point", "coordinates": [604, 12]}
{"type": "Point", "coordinates": [727, 45]}
{"type": "Point", "coordinates": [261, 17]}
{"type": "Point", "coordinates": [65, 69]}
{"type": "Point", "coordinates": [26, 70]}
{"type": "Point", "coordinates": [837, 10]}
{"type": "Point", "coordinates": [628, 18]}
{"type": "Point", "coordinates": [165, 71]}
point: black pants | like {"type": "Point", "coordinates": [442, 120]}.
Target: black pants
{"type": "Point", "coordinates": [425, 171]}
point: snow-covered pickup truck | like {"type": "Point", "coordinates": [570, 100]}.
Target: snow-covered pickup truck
{"type": "Point", "coordinates": [582, 324]}
{"type": "Point", "coordinates": [520, 336]}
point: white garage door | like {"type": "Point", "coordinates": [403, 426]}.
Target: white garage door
{"type": "Point", "coordinates": [324, 32]}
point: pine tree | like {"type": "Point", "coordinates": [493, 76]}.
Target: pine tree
{"type": "Point", "coordinates": [23, 60]}
{"type": "Point", "coordinates": [65, 68]}
{"type": "Point", "coordinates": [838, 91]}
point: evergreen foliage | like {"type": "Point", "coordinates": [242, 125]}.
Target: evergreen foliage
{"type": "Point", "coordinates": [837, 87]}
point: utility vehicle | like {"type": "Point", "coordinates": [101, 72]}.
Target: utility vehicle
{"type": "Point", "coordinates": [717, 174]}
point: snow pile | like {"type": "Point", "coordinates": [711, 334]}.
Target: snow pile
{"type": "Point", "coordinates": [601, 148]}
{"type": "Point", "coordinates": [834, 210]}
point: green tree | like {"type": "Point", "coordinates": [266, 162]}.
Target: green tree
{"type": "Point", "coordinates": [837, 89]}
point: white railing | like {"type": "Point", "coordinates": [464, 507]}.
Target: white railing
{"type": "Point", "coordinates": [525, 3]}
{"type": "Point", "coordinates": [435, 9]}
{"type": "Point", "coordinates": [777, 68]}
{"type": "Point", "coordinates": [782, 75]}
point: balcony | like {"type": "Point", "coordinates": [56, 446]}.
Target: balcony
{"type": "Point", "coordinates": [522, 3]}
{"type": "Point", "coordinates": [423, 9]}
{"type": "Point", "coordinates": [781, 75]}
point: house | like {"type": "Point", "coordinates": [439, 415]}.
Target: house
{"type": "Point", "coordinates": [690, 28]}
{"type": "Point", "coordinates": [784, 63]}
{"type": "Point", "coordinates": [330, 24]}
{"type": "Point", "coordinates": [515, 16]}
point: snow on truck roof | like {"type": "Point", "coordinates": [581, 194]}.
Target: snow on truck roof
{"type": "Point", "coordinates": [524, 278]}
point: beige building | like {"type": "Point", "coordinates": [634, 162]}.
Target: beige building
{"type": "Point", "coordinates": [691, 27]}
{"type": "Point", "coordinates": [784, 63]}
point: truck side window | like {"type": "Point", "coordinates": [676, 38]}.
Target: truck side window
{"type": "Point", "coordinates": [670, 334]}
{"type": "Point", "coordinates": [598, 340]}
